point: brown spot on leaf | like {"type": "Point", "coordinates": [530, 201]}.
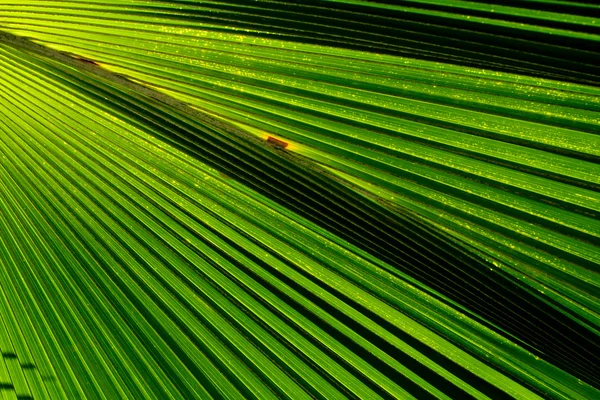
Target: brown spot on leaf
{"type": "Point", "coordinates": [277, 142]}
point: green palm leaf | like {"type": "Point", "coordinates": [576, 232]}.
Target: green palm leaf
{"type": "Point", "coordinates": [319, 199]}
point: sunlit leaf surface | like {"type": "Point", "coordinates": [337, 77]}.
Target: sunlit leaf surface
{"type": "Point", "coordinates": [316, 199]}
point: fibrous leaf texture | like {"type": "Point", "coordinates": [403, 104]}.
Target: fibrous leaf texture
{"type": "Point", "coordinates": [299, 199]}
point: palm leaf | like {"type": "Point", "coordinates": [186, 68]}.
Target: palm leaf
{"type": "Point", "coordinates": [275, 199]}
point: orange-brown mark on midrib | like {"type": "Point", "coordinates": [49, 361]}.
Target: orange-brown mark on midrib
{"type": "Point", "coordinates": [277, 142]}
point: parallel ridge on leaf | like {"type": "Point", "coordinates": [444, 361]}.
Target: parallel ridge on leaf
{"type": "Point", "coordinates": [447, 247]}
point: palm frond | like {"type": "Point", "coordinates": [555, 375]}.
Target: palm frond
{"type": "Point", "coordinates": [275, 199]}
